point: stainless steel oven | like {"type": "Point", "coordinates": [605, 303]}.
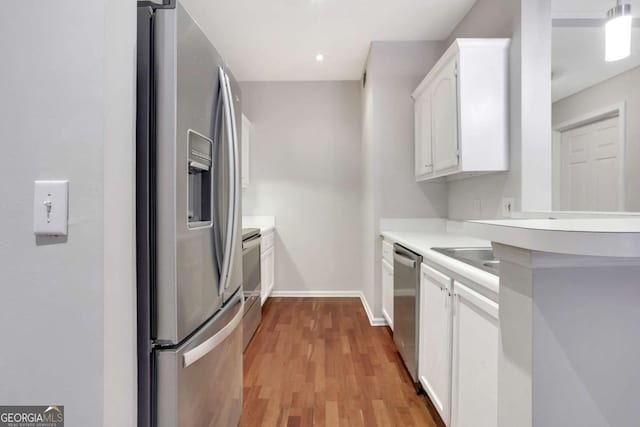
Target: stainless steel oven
{"type": "Point", "coordinates": [251, 239]}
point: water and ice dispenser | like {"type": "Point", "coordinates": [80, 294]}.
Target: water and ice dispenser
{"type": "Point", "coordinates": [200, 169]}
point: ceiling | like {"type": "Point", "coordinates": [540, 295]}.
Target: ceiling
{"type": "Point", "coordinates": [279, 39]}
{"type": "Point", "coordinates": [578, 52]}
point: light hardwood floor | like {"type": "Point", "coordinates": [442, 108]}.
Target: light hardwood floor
{"type": "Point", "coordinates": [318, 362]}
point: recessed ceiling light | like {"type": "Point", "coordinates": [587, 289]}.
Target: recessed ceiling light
{"type": "Point", "coordinates": [319, 57]}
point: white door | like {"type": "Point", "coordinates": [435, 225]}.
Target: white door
{"type": "Point", "coordinates": [387, 292]}
{"type": "Point", "coordinates": [590, 167]}
{"type": "Point", "coordinates": [435, 339]}
{"type": "Point", "coordinates": [474, 397]}
{"type": "Point", "coordinates": [444, 119]}
{"type": "Point", "coordinates": [267, 273]}
{"type": "Point", "coordinates": [423, 153]}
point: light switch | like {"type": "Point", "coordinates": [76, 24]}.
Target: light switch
{"type": "Point", "coordinates": [50, 208]}
{"type": "Point", "coordinates": [508, 206]}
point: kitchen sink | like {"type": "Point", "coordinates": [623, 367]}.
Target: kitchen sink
{"type": "Point", "coordinates": [481, 258]}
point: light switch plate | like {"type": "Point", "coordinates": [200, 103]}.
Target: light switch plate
{"type": "Point", "coordinates": [50, 208]}
{"type": "Point", "coordinates": [508, 205]}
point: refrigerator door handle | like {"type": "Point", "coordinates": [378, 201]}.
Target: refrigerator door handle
{"type": "Point", "coordinates": [231, 209]}
{"type": "Point", "coordinates": [197, 353]}
{"type": "Point", "coordinates": [235, 174]}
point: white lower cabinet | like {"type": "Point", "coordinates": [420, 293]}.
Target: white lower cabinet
{"type": "Point", "coordinates": [458, 353]}
{"type": "Point", "coordinates": [267, 267]}
{"type": "Point", "coordinates": [387, 292]}
{"type": "Point", "coordinates": [434, 367]}
{"type": "Point", "coordinates": [474, 392]}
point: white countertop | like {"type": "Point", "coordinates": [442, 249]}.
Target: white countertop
{"type": "Point", "coordinates": [266, 224]}
{"type": "Point", "coordinates": [266, 229]}
{"type": "Point", "coordinates": [422, 242]}
{"type": "Point", "coordinates": [605, 237]}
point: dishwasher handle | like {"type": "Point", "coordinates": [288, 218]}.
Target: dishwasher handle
{"type": "Point", "coordinates": [406, 261]}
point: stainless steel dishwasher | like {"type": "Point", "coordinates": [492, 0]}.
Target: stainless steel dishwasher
{"type": "Point", "coordinates": [406, 306]}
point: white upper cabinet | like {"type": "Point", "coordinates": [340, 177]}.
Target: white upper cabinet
{"type": "Point", "coordinates": [461, 111]}
{"type": "Point", "coordinates": [247, 128]}
{"type": "Point", "coordinates": [423, 154]}
{"type": "Point", "coordinates": [444, 119]}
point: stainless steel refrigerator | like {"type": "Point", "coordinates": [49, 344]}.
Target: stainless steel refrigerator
{"type": "Point", "coordinates": [189, 249]}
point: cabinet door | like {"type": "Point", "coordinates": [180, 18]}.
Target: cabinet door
{"type": "Point", "coordinates": [387, 292]}
{"type": "Point", "coordinates": [444, 119]}
{"type": "Point", "coordinates": [246, 150]}
{"type": "Point", "coordinates": [267, 273]}
{"type": "Point", "coordinates": [475, 360]}
{"type": "Point", "coordinates": [435, 339]}
{"type": "Point", "coordinates": [423, 150]}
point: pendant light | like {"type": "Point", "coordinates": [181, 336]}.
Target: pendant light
{"type": "Point", "coordinates": [618, 32]}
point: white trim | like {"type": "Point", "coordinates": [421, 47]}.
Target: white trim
{"type": "Point", "coordinates": [609, 112]}
{"type": "Point", "coordinates": [373, 321]}
{"type": "Point", "coordinates": [316, 294]}
{"type": "Point", "coordinates": [612, 111]}
{"type": "Point", "coordinates": [556, 169]}
{"type": "Point", "coordinates": [387, 318]}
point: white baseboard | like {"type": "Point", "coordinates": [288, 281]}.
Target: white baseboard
{"type": "Point", "coordinates": [316, 294]}
{"type": "Point", "coordinates": [387, 318]}
{"type": "Point", "coordinates": [373, 321]}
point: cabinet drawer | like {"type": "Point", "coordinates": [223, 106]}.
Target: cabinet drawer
{"type": "Point", "coordinates": [267, 241]}
{"type": "Point", "coordinates": [387, 252]}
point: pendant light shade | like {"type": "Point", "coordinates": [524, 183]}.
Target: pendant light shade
{"type": "Point", "coordinates": [618, 32]}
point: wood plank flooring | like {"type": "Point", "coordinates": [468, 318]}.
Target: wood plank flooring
{"type": "Point", "coordinates": [318, 362]}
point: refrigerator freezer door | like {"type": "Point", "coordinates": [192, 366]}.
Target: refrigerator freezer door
{"type": "Point", "coordinates": [200, 383]}
{"type": "Point", "coordinates": [187, 87]}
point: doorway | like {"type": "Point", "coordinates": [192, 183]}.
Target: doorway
{"type": "Point", "coordinates": [589, 162]}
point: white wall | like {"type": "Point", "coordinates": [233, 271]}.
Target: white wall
{"type": "Point", "coordinates": [625, 88]}
{"type": "Point", "coordinates": [528, 24]}
{"type": "Point", "coordinates": [394, 70]}
{"type": "Point", "coordinates": [535, 134]}
{"type": "Point", "coordinates": [565, 357]}
{"type": "Point", "coordinates": [306, 171]}
{"type": "Point", "coordinates": [120, 326]}
{"type": "Point", "coordinates": [58, 115]}
{"type": "Point", "coordinates": [585, 366]}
